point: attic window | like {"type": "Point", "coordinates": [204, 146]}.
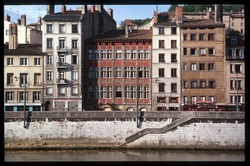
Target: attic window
{"type": "Point", "coordinates": [233, 41]}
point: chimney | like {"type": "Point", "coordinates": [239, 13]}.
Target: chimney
{"type": "Point", "coordinates": [50, 9]}
{"type": "Point", "coordinates": [23, 19]}
{"type": "Point", "coordinates": [39, 23]}
{"type": "Point", "coordinates": [19, 21]}
{"type": "Point", "coordinates": [84, 9]}
{"type": "Point", "coordinates": [12, 36]}
{"type": "Point", "coordinates": [209, 13]}
{"type": "Point", "coordinates": [7, 18]}
{"type": "Point", "coordinates": [110, 12]}
{"type": "Point", "coordinates": [92, 8]}
{"type": "Point", "coordinates": [155, 17]}
{"type": "Point", "coordinates": [126, 30]}
{"type": "Point", "coordinates": [99, 8]}
{"type": "Point", "coordinates": [178, 13]}
{"type": "Point", "coordinates": [63, 8]}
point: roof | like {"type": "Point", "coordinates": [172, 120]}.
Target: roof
{"type": "Point", "coordinates": [119, 35]}
{"type": "Point", "coordinates": [24, 49]}
{"type": "Point", "coordinates": [70, 15]}
{"type": "Point", "coordinates": [201, 23]}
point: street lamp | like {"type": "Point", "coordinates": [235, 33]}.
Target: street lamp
{"type": "Point", "coordinates": [24, 115]}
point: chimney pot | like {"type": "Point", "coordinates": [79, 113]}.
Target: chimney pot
{"type": "Point", "coordinates": [23, 19]}
{"type": "Point", "coordinates": [178, 13]}
{"type": "Point", "coordinates": [92, 8]}
{"type": "Point", "coordinates": [63, 8]}
{"type": "Point", "coordinates": [110, 11]}
{"type": "Point", "coordinates": [7, 18]}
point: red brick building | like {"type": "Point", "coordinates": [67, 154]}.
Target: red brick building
{"type": "Point", "coordinates": [117, 66]}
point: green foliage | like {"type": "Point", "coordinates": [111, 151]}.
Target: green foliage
{"type": "Point", "coordinates": [141, 21]}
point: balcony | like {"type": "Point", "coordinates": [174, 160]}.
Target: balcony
{"type": "Point", "coordinates": [62, 49]}
{"type": "Point", "coordinates": [61, 81]}
{"type": "Point", "coordinates": [234, 57]}
{"type": "Point", "coordinates": [62, 65]}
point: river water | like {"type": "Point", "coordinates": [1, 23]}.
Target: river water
{"type": "Point", "coordinates": [123, 155]}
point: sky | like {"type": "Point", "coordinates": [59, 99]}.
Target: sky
{"type": "Point", "coordinates": [120, 12]}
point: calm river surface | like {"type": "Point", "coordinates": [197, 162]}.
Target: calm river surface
{"type": "Point", "coordinates": [124, 155]}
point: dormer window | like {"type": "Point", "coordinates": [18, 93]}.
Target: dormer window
{"type": "Point", "coordinates": [233, 41]}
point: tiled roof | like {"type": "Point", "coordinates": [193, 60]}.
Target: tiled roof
{"type": "Point", "coordinates": [24, 49]}
{"type": "Point", "coordinates": [71, 15]}
{"type": "Point", "coordinates": [202, 23]}
{"type": "Point", "coordinates": [120, 35]}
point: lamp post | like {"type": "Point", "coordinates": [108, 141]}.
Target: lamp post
{"type": "Point", "coordinates": [24, 113]}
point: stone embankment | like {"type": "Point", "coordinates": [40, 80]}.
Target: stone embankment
{"type": "Point", "coordinates": [201, 131]}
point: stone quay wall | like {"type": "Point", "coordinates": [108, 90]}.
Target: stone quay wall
{"type": "Point", "coordinates": [207, 131]}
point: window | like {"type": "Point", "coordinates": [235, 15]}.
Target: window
{"type": "Point", "coordinates": [185, 84]}
{"type": "Point", "coordinates": [61, 58]}
{"type": "Point", "coordinates": [161, 99]}
{"type": "Point", "coordinates": [146, 72]}
{"type": "Point", "coordinates": [103, 92]}
{"type": "Point", "coordinates": [61, 90]}
{"type": "Point", "coordinates": [146, 92]}
{"type": "Point", "coordinates": [202, 37]}
{"type": "Point", "coordinates": [48, 90]}
{"type": "Point", "coordinates": [210, 36]}
{"type": "Point", "coordinates": [193, 36]}
{"type": "Point", "coordinates": [202, 66]}
{"type": "Point", "coordinates": [173, 72]}
{"type": "Point", "coordinates": [7, 32]}
{"type": "Point", "coordinates": [61, 74]}
{"type": "Point", "coordinates": [193, 99]}
{"type": "Point", "coordinates": [74, 90]}
{"type": "Point", "coordinates": [202, 84]}
{"type": "Point", "coordinates": [127, 92]}
{"type": "Point", "coordinates": [237, 68]}
{"type": "Point", "coordinates": [184, 51]}
{"type": "Point", "coordinates": [185, 100]}
{"type": "Point", "coordinates": [103, 72]}
{"type": "Point", "coordinates": [37, 61]}
{"type": "Point", "coordinates": [202, 98]}
{"type": "Point", "coordinates": [242, 24]}
{"type": "Point", "coordinates": [133, 92]}
{"type": "Point", "coordinates": [37, 79]}
{"type": "Point", "coordinates": [118, 92]}
{"type": "Point", "coordinates": [184, 37]}
{"type": "Point", "coordinates": [118, 72]}
{"type": "Point", "coordinates": [146, 54]}
{"type": "Point", "coordinates": [233, 41]}
{"type": "Point", "coordinates": [161, 87]}
{"type": "Point", "coordinates": [210, 51]}
{"type": "Point", "coordinates": [140, 72]}
{"type": "Point", "coordinates": [193, 84]}
{"type": "Point", "coordinates": [109, 72]}
{"type": "Point", "coordinates": [93, 92]}
{"type": "Point", "coordinates": [23, 61]}
{"type": "Point", "coordinates": [162, 58]}
{"type": "Point", "coordinates": [193, 51]}
{"type": "Point", "coordinates": [173, 31]}
{"type": "Point", "coordinates": [202, 51]}
{"type": "Point", "coordinates": [173, 58]}
{"type": "Point", "coordinates": [61, 28]}
{"type": "Point", "coordinates": [74, 59]}
{"type": "Point", "coordinates": [49, 28]}
{"type": "Point", "coordinates": [127, 55]}
{"type": "Point", "coordinates": [109, 95]}
{"type": "Point", "coordinates": [211, 98]}
{"type": "Point", "coordinates": [23, 79]}
{"type": "Point", "coordinates": [61, 43]}
{"type": "Point", "coordinates": [49, 75]}
{"type": "Point", "coordinates": [74, 28]}
{"type": "Point", "coordinates": [173, 99]}
{"type": "Point", "coordinates": [127, 72]}
{"type": "Point", "coordinates": [103, 54]}
{"type": "Point", "coordinates": [9, 96]}
{"type": "Point", "coordinates": [184, 66]}
{"type": "Point", "coordinates": [109, 55]}
{"type": "Point", "coordinates": [74, 43]}
{"type": "Point", "coordinates": [74, 75]}
{"type": "Point", "coordinates": [211, 84]}
{"type": "Point", "coordinates": [161, 72]}
{"type": "Point", "coordinates": [10, 61]}
{"type": "Point", "coordinates": [210, 66]}
{"type": "Point", "coordinates": [161, 30]}
{"type": "Point", "coordinates": [232, 24]}
{"type": "Point", "coordinates": [49, 43]}
{"type": "Point", "coordinates": [193, 67]}
{"type": "Point", "coordinates": [23, 96]}
{"type": "Point", "coordinates": [49, 59]}
{"type": "Point", "coordinates": [36, 96]}
{"type": "Point", "coordinates": [173, 87]}
{"type": "Point", "coordinates": [173, 44]}
{"type": "Point", "coordinates": [140, 54]}
{"type": "Point", "coordinates": [10, 78]}
{"type": "Point", "coordinates": [118, 54]}
{"type": "Point", "coordinates": [161, 44]}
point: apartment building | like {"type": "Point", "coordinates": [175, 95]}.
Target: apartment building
{"type": "Point", "coordinates": [166, 72]}
{"type": "Point", "coordinates": [27, 34]}
{"type": "Point", "coordinates": [203, 65]}
{"type": "Point", "coordinates": [63, 43]}
{"type": "Point", "coordinates": [235, 72]}
{"type": "Point", "coordinates": [118, 71]}
{"type": "Point", "coordinates": [23, 75]}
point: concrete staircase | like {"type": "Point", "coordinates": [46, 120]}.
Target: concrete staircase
{"type": "Point", "coordinates": [162, 130]}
